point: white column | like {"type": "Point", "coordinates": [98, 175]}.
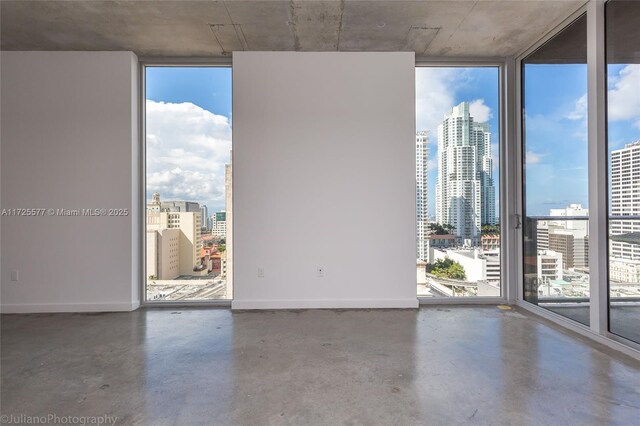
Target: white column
{"type": "Point", "coordinates": [597, 152]}
{"type": "Point", "coordinates": [510, 190]}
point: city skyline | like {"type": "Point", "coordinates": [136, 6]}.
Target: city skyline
{"type": "Point", "coordinates": [438, 90]}
{"type": "Point", "coordinates": [204, 93]}
{"type": "Point", "coordinates": [624, 249]}
{"type": "Point", "coordinates": [465, 193]}
{"type": "Point", "coordinates": [422, 194]}
{"type": "Point", "coordinates": [207, 216]}
{"type": "Point", "coordinates": [188, 111]}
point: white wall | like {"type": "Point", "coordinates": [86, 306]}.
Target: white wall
{"type": "Point", "coordinates": [324, 175]}
{"type": "Point", "coordinates": [70, 140]}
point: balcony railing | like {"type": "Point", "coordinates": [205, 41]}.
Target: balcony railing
{"type": "Point", "coordinates": [574, 277]}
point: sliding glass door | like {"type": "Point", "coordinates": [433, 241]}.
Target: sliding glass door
{"type": "Point", "coordinates": [555, 172]}
{"type": "Point", "coordinates": [623, 125]}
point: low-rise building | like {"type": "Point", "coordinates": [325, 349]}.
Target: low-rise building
{"type": "Point", "coordinates": [188, 225]}
{"type": "Point", "coordinates": [478, 265]}
{"type": "Point", "coordinates": [624, 270]}
{"type": "Point", "coordinates": [490, 242]}
{"type": "Point", "coordinates": [163, 254]}
{"type": "Point", "coordinates": [549, 266]}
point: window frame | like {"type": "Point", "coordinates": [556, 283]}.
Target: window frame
{"type": "Point", "coordinates": [598, 175]}
{"type": "Point", "coordinates": [143, 64]}
{"type": "Point", "coordinates": [506, 233]}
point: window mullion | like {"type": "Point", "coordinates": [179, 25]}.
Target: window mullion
{"type": "Point", "coordinates": [597, 154]}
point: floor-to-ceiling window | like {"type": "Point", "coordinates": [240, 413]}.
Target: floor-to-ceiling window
{"type": "Point", "coordinates": [623, 70]}
{"type": "Point", "coordinates": [188, 183]}
{"type": "Point", "coordinates": [555, 184]}
{"type": "Point", "coordinates": [457, 181]}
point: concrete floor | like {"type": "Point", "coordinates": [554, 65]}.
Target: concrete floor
{"type": "Point", "coordinates": [435, 366]}
{"type": "Point", "coordinates": [624, 320]}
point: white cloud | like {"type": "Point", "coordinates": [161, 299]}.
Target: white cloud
{"type": "Point", "coordinates": [432, 164]}
{"type": "Point", "coordinates": [623, 99]}
{"type": "Point", "coordinates": [187, 148]}
{"type": "Point", "coordinates": [434, 97]}
{"type": "Point", "coordinates": [480, 112]}
{"type": "Point", "coordinates": [533, 158]}
{"type": "Point", "coordinates": [624, 95]}
{"type": "Point", "coordinates": [579, 110]}
{"type": "Point", "coordinates": [495, 154]}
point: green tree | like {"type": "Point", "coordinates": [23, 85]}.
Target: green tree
{"type": "Point", "coordinates": [490, 229]}
{"type": "Point", "coordinates": [447, 268]}
{"type": "Point", "coordinates": [439, 229]}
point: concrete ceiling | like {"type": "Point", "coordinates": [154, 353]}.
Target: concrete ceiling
{"type": "Point", "coordinates": [462, 28]}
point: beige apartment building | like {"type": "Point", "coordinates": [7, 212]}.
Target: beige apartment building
{"type": "Point", "coordinates": [163, 254]}
{"type": "Point", "coordinates": [173, 242]}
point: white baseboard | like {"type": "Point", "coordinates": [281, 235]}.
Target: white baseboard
{"type": "Point", "coordinates": [326, 304]}
{"type": "Point", "coordinates": [28, 308]}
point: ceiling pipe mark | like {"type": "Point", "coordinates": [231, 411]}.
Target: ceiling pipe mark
{"type": "Point", "coordinates": [418, 38]}
{"type": "Point", "coordinates": [463, 19]}
{"type": "Point", "coordinates": [214, 30]}
{"type": "Point", "coordinates": [224, 3]}
{"type": "Point", "coordinates": [424, 51]}
{"type": "Point", "coordinates": [241, 37]}
{"type": "Point", "coordinates": [340, 25]}
{"type": "Point", "coordinates": [230, 37]}
{"type": "Point", "coordinates": [293, 23]}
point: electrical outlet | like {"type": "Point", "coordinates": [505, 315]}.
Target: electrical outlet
{"type": "Point", "coordinates": [14, 275]}
{"type": "Point", "coordinates": [260, 272]}
{"type": "Point", "coordinates": [320, 271]}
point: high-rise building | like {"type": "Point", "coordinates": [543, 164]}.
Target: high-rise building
{"type": "Point", "coordinates": [572, 210]}
{"type": "Point", "coordinates": [422, 187]}
{"type": "Point", "coordinates": [204, 214]}
{"type": "Point", "coordinates": [228, 253]}
{"type": "Point", "coordinates": [465, 192]}
{"type": "Point", "coordinates": [563, 242]}
{"type": "Point", "coordinates": [219, 224]}
{"type": "Point", "coordinates": [625, 201]}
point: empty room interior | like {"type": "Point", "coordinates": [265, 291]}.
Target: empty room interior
{"type": "Point", "coordinates": [325, 212]}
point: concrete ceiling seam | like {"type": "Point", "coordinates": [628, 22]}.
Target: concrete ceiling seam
{"type": "Point", "coordinates": [192, 28]}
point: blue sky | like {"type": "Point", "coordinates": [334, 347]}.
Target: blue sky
{"type": "Point", "coordinates": [556, 130]}
{"type": "Point", "coordinates": [555, 137]}
{"type": "Point", "coordinates": [624, 105]}
{"type": "Point", "coordinates": [189, 126]}
{"type": "Point", "coordinates": [440, 88]}
{"type": "Point", "coordinates": [188, 133]}
{"type": "Point", "coordinates": [207, 87]}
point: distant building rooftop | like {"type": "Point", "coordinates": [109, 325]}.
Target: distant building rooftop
{"type": "Point", "coordinates": [441, 237]}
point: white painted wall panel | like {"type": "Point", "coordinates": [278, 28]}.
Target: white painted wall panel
{"type": "Point", "coordinates": [324, 175]}
{"type": "Point", "coordinates": [70, 140]}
